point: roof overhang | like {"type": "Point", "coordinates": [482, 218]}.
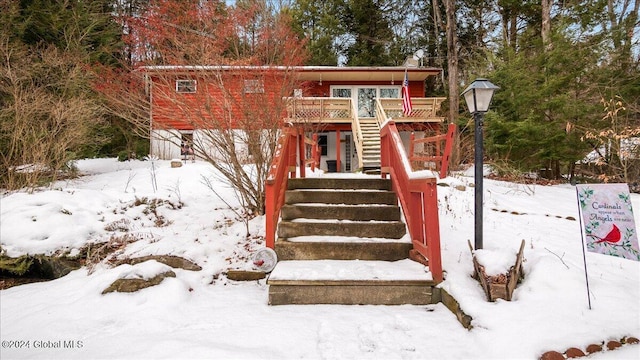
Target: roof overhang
{"type": "Point", "coordinates": [313, 73]}
{"type": "Point", "coordinates": [365, 73]}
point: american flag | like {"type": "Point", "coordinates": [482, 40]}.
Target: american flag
{"type": "Point", "coordinates": [406, 98]}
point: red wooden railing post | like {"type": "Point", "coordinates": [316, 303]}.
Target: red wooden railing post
{"type": "Point", "coordinates": [412, 140]}
{"type": "Point", "coordinates": [314, 152]}
{"type": "Point", "coordinates": [270, 225]}
{"type": "Point", "coordinates": [448, 146]}
{"type": "Point", "coordinates": [432, 229]}
{"type": "Point", "coordinates": [301, 152]}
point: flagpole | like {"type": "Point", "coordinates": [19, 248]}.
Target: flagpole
{"type": "Point", "coordinates": [582, 242]}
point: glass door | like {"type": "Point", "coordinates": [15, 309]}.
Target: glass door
{"type": "Point", "coordinates": [365, 97]}
{"type": "Point", "coordinates": [367, 102]}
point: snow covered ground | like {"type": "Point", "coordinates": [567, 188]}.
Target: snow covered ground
{"type": "Point", "coordinates": [204, 315]}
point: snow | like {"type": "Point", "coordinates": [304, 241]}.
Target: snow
{"type": "Point", "coordinates": [202, 314]}
{"type": "Point", "coordinates": [496, 261]}
{"type": "Point", "coordinates": [351, 270]}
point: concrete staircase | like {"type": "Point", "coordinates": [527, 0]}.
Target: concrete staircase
{"type": "Point", "coordinates": [342, 241]}
{"type": "Point", "coordinates": [370, 144]}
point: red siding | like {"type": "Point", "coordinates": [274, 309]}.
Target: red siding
{"type": "Point", "coordinates": [209, 108]}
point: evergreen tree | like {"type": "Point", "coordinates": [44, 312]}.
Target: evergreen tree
{"type": "Point", "coordinates": [370, 33]}
{"type": "Point", "coordinates": [84, 27]}
{"type": "Point", "coordinates": [316, 21]}
{"type": "Point", "coordinates": [544, 98]}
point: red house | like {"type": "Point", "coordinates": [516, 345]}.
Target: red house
{"type": "Point", "coordinates": [345, 106]}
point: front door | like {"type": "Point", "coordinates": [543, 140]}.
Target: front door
{"type": "Point", "coordinates": [367, 102]}
{"type": "Point", "coordinates": [365, 97]}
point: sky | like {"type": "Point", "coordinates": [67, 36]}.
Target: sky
{"type": "Point", "coordinates": [204, 315]}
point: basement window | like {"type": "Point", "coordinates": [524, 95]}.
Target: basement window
{"type": "Point", "coordinates": [322, 143]}
{"type": "Point", "coordinates": [185, 86]}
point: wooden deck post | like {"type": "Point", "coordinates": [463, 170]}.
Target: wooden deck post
{"type": "Point", "coordinates": [301, 152]}
{"type": "Point", "coordinates": [338, 165]}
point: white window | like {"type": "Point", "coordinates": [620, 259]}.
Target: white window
{"type": "Point", "coordinates": [185, 86]}
{"type": "Point", "coordinates": [253, 86]}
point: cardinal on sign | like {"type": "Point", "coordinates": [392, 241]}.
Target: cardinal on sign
{"type": "Point", "coordinates": [612, 237]}
{"type": "Point", "coordinates": [258, 262]}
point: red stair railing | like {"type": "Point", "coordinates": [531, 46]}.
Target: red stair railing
{"type": "Point", "coordinates": [418, 198]}
{"type": "Point", "coordinates": [284, 166]}
{"type": "Point", "coordinates": [440, 158]}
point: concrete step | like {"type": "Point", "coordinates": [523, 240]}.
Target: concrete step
{"type": "Point", "coordinates": [341, 248]}
{"type": "Point", "coordinates": [351, 282]}
{"type": "Point", "coordinates": [341, 212]}
{"type": "Point", "coordinates": [365, 183]}
{"type": "Point", "coordinates": [348, 197]}
{"type": "Point", "coordinates": [363, 229]}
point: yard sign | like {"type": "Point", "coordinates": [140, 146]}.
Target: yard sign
{"type": "Point", "coordinates": [607, 220]}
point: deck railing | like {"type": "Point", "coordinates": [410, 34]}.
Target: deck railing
{"type": "Point", "coordinates": [423, 109]}
{"type": "Point", "coordinates": [418, 198]}
{"type": "Point", "coordinates": [341, 110]}
{"type": "Point", "coordinates": [319, 109]}
{"type": "Point", "coordinates": [292, 145]}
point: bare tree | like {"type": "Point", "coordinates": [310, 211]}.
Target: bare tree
{"type": "Point", "coordinates": [452, 59]}
{"type": "Point", "coordinates": [45, 116]}
{"type": "Point", "coordinates": [241, 59]}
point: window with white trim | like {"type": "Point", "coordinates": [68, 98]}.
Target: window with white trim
{"type": "Point", "coordinates": [186, 86]}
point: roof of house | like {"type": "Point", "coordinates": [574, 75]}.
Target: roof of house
{"type": "Point", "coordinates": [314, 73]}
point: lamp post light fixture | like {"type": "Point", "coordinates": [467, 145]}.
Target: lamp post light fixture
{"type": "Point", "coordinates": [478, 97]}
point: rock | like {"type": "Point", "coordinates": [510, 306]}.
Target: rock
{"type": "Point", "coordinates": [55, 267]}
{"type": "Point", "coordinates": [574, 353]}
{"type": "Point", "coordinates": [176, 163]}
{"type": "Point", "coordinates": [175, 262]}
{"type": "Point", "coordinates": [593, 348]}
{"type": "Point", "coordinates": [612, 345]}
{"type": "Point", "coordinates": [245, 275]}
{"type": "Point", "coordinates": [41, 266]}
{"type": "Point", "coordinates": [631, 340]}
{"type": "Point", "coordinates": [133, 285]}
{"type": "Point", "coordinates": [15, 266]}
{"type": "Point", "coordinates": [460, 187]}
{"type": "Point", "coordinates": [552, 355]}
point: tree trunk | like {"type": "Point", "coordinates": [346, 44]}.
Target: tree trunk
{"type": "Point", "coordinates": [546, 24]}
{"type": "Point", "coordinates": [452, 59]}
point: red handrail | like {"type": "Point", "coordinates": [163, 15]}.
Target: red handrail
{"type": "Point", "coordinates": [283, 166]}
{"type": "Point", "coordinates": [441, 158]}
{"type": "Point", "coordinates": [418, 198]}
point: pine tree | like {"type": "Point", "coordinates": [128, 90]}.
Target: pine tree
{"type": "Point", "coordinates": [370, 33]}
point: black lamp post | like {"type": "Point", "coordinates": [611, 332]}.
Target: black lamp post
{"type": "Point", "coordinates": [478, 97]}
